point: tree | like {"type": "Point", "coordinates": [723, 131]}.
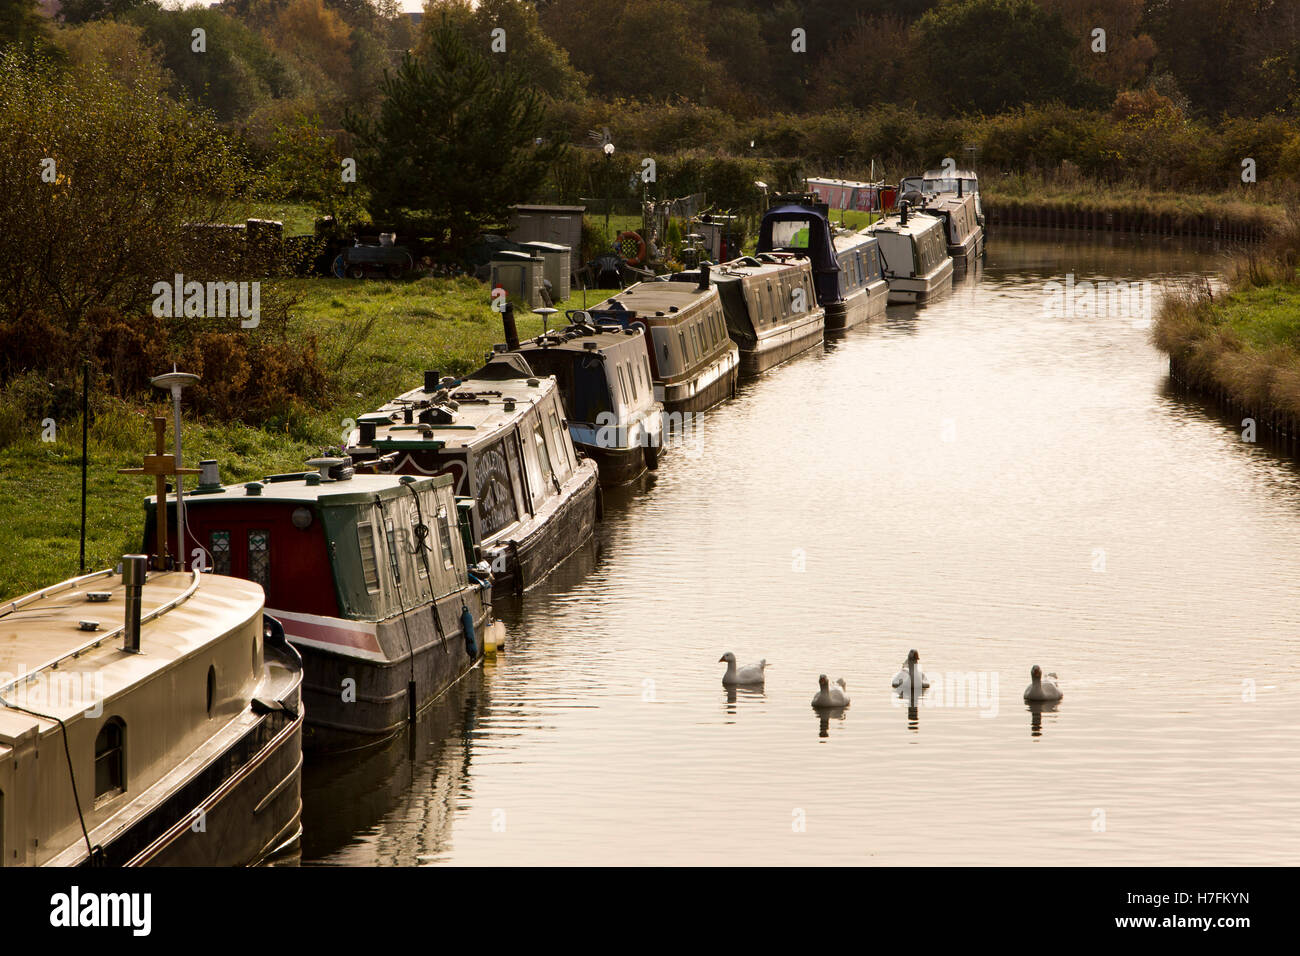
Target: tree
{"type": "Point", "coordinates": [22, 25]}
{"type": "Point", "coordinates": [990, 55]}
{"type": "Point", "coordinates": [83, 11]}
{"type": "Point", "coordinates": [526, 48]}
{"type": "Point", "coordinates": [454, 141]}
{"type": "Point", "coordinates": [97, 182]}
{"type": "Point", "coordinates": [316, 33]}
{"type": "Point", "coordinates": [1128, 51]}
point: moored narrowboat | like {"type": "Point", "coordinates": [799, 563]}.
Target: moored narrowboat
{"type": "Point", "coordinates": [942, 182]}
{"type": "Point", "coordinates": [914, 254]}
{"type": "Point", "coordinates": [607, 387]}
{"type": "Point", "coordinates": [500, 434]}
{"type": "Point", "coordinates": [962, 231]}
{"type": "Point", "coordinates": [369, 576]}
{"type": "Point", "coordinates": [693, 362]}
{"type": "Point", "coordinates": [770, 306]}
{"type": "Point", "coordinates": [850, 285]}
{"type": "Point", "coordinates": [171, 705]}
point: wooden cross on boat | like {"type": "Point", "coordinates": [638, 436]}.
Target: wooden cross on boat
{"type": "Point", "coordinates": [160, 465]}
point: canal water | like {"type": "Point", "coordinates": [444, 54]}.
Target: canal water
{"type": "Point", "coordinates": [992, 483]}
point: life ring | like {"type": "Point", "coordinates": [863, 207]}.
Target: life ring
{"type": "Point", "coordinates": [640, 247]}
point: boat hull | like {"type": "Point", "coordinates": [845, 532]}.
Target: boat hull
{"type": "Point", "coordinates": [237, 805]}
{"type": "Point", "coordinates": [355, 695]}
{"type": "Point", "coordinates": [919, 290]}
{"type": "Point", "coordinates": [781, 345]}
{"type": "Point", "coordinates": [701, 392]}
{"type": "Point", "coordinates": [861, 306]}
{"type": "Point", "coordinates": [528, 560]}
{"type": "Point", "coordinates": [617, 465]}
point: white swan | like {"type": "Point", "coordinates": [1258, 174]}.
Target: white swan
{"type": "Point", "coordinates": [748, 675]}
{"type": "Point", "coordinates": [911, 675]}
{"type": "Point", "coordinates": [1040, 689]}
{"type": "Point", "coordinates": [831, 695]}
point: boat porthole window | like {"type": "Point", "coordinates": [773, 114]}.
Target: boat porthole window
{"type": "Point", "coordinates": [110, 767]}
{"type": "Point", "coordinates": [212, 687]}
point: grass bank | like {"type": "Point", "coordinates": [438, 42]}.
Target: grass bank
{"type": "Point", "coordinates": [1242, 345]}
{"type": "Point", "coordinates": [1245, 212]}
{"type": "Point", "coordinates": [377, 337]}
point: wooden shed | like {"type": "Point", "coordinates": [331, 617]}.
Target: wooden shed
{"type": "Point", "coordinates": [558, 224]}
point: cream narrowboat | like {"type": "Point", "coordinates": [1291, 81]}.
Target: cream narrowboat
{"type": "Point", "coordinates": [693, 361]}
{"type": "Point", "coordinates": [147, 718]}
{"type": "Point", "coordinates": [770, 306]}
{"type": "Point", "coordinates": [914, 252]}
{"type": "Point", "coordinates": [962, 231]}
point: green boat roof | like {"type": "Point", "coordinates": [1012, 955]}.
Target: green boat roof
{"type": "Point", "coordinates": [296, 488]}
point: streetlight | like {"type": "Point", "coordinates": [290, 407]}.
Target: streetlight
{"type": "Point", "coordinates": [609, 189]}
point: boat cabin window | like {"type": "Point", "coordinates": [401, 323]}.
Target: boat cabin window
{"type": "Point", "coordinates": [592, 391]}
{"type": "Point", "coordinates": [791, 234]}
{"type": "Point", "coordinates": [564, 466]}
{"type": "Point", "coordinates": [259, 557]}
{"type": "Point", "coordinates": [369, 566]}
{"type": "Point", "coordinates": [543, 457]}
{"type": "Point", "coordinates": [392, 548]}
{"type": "Point", "coordinates": [444, 538]}
{"type": "Point", "coordinates": [492, 478]}
{"type": "Point", "coordinates": [212, 687]}
{"type": "Point", "coordinates": [219, 548]}
{"type": "Point", "coordinates": [110, 767]}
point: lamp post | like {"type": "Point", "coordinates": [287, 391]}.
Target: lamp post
{"type": "Point", "coordinates": [609, 183]}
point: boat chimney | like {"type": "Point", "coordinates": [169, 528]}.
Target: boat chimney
{"type": "Point", "coordinates": [209, 476]}
{"type": "Point", "coordinates": [512, 331]}
{"type": "Point", "coordinates": [704, 276]}
{"type": "Point", "coordinates": [902, 212]}
{"type": "Point", "coordinates": [367, 433]}
{"type": "Point", "coordinates": [430, 380]}
{"type": "Point", "coordinates": [133, 574]}
{"type": "Point", "coordinates": [408, 415]}
{"type": "Point", "coordinates": [959, 185]}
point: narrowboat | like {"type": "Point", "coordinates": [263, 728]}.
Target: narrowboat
{"type": "Point", "coordinates": [962, 231]}
{"type": "Point", "coordinates": [500, 435]}
{"type": "Point", "coordinates": [850, 285]}
{"type": "Point", "coordinates": [693, 362]}
{"type": "Point", "coordinates": [914, 254]}
{"type": "Point", "coordinates": [168, 708]}
{"type": "Point", "coordinates": [369, 576]}
{"type": "Point", "coordinates": [942, 182]}
{"type": "Point", "coordinates": [605, 382]}
{"type": "Point", "coordinates": [770, 306]}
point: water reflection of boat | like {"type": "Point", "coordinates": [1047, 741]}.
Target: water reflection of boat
{"type": "Point", "coordinates": [348, 799]}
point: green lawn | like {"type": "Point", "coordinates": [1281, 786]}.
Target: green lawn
{"type": "Point", "coordinates": [1264, 317]}
{"type": "Point", "coordinates": [378, 336]}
